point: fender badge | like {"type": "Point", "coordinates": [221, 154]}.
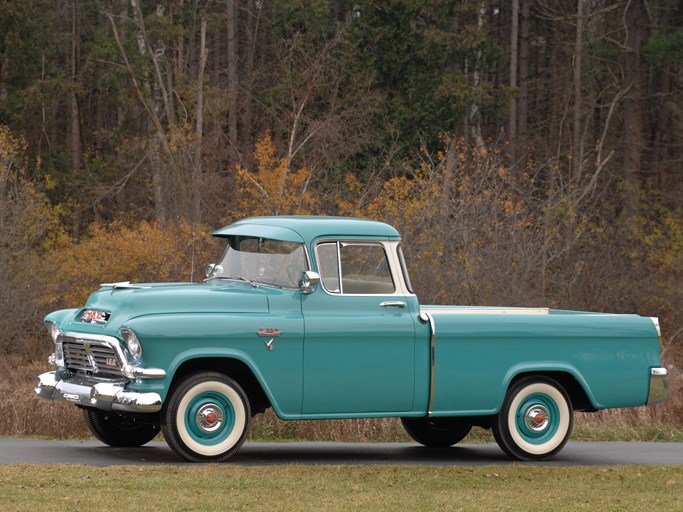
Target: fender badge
{"type": "Point", "coordinates": [269, 344]}
{"type": "Point", "coordinates": [269, 332]}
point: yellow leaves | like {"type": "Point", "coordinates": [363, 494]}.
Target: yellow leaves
{"type": "Point", "coordinates": [462, 179]}
{"type": "Point", "coordinates": [10, 149]}
{"type": "Point", "coordinates": [353, 184]}
{"type": "Point", "coordinates": [181, 136]}
{"type": "Point", "coordinates": [50, 182]}
{"type": "Point", "coordinates": [274, 189]}
{"type": "Point", "coordinates": [10, 146]}
{"type": "Point", "coordinates": [27, 220]}
{"type": "Point", "coordinates": [147, 252]}
{"type": "Point", "coordinates": [661, 239]}
{"type": "Point", "coordinates": [264, 153]}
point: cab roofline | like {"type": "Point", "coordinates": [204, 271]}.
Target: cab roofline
{"type": "Point", "coordinates": [302, 229]}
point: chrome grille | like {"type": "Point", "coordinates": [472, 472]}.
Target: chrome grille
{"type": "Point", "coordinates": [90, 357]}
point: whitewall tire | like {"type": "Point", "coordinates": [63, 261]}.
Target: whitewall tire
{"type": "Point", "coordinates": [207, 417]}
{"type": "Point", "coordinates": [536, 419]}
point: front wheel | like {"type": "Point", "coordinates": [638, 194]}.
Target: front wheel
{"type": "Point", "coordinates": [118, 430]}
{"type": "Point", "coordinates": [207, 417]}
{"type": "Point", "coordinates": [535, 421]}
{"type": "Point", "coordinates": [436, 432]}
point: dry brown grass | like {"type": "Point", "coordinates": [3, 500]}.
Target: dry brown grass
{"type": "Point", "coordinates": [268, 427]}
{"type": "Point", "coordinates": [23, 414]}
{"type": "Point", "coordinates": [662, 422]}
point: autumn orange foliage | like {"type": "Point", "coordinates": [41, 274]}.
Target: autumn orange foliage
{"type": "Point", "coordinates": [459, 214]}
{"type": "Point", "coordinates": [147, 252]}
{"type": "Point", "coordinates": [274, 188]}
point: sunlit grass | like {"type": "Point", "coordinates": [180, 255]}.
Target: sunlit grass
{"type": "Point", "coordinates": [302, 488]}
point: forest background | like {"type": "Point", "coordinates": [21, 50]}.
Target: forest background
{"type": "Point", "coordinates": [530, 152]}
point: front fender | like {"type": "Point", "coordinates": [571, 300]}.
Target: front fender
{"type": "Point", "coordinates": [171, 341]}
{"type": "Point", "coordinates": [195, 354]}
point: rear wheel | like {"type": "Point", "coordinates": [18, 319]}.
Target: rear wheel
{"type": "Point", "coordinates": [536, 419]}
{"type": "Point", "coordinates": [207, 417]}
{"type": "Point", "coordinates": [437, 432]}
{"type": "Point", "coordinates": [118, 430]}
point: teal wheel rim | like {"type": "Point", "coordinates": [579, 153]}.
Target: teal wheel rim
{"type": "Point", "coordinates": [537, 418]}
{"type": "Point", "coordinates": [209, 418]}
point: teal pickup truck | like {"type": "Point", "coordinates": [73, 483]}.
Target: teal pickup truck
{"type": "Point", "coordinates": [316, 318]}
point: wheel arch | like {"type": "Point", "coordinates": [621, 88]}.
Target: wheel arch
{"type": "Point", "coordinates": [580, 399]}
{"type": "Point", "coordinates": [231, 367]}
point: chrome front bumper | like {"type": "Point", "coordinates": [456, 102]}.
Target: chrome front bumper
{"type": "Point", "coordinates": [105, 395]}
{"type": "Point", "coordinates": [658, 388]}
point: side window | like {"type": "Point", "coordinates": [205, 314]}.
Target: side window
{"type": "Point", "coordinates": [355, 268]}
{"type": "Point", "coordinates": [404, 269]}
{"type": "Point", "coordinates": [328, 265]}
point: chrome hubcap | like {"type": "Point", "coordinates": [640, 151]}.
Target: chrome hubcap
{"type": "Point", "coordinates": [209, 417]}
{"type": "Point", "coordinates": [537, 418]}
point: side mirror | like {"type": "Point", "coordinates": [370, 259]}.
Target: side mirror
{"type": "Point", "coordinates": [309, 280]}
{"type": "Point", "coordinates": [213, 270]}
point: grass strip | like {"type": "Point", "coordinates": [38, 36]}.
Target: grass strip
{"type": "Point", "coordinates": [310, 488]}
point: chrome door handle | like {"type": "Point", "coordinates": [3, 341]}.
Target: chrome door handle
{"type": "Point", "coordinates": [393, 304]}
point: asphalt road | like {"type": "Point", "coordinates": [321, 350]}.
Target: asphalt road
{"type": "Point", "coordinates": [94, 453]}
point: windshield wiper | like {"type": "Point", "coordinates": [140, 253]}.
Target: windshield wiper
{"type": "Point", "coordinates": [237, 278]}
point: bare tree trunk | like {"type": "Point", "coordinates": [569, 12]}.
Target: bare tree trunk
{"type": "Point", "coordinates": [576, 152]}
{"type": "Point", "coordinates": [160, 139]}
{"type": "Point", "coordinates": [74, 117]}
{"type": "Point", "coordinates": [514, 52]}
{"type": "Point", "coordinates": [233, 78]}
{"type": "Point", "coordinates": [254, 18]}
{"type": "Point", "coordinates": [523, 74]}
{"type": "Point", "coordinates": [180, 52]}
{"type": "Point", "coordinates": [661, 126]}
{"type": "Point", "coordinates": [160, 203]}
{"type": "Point", "coordinates": [197, 167]}
{"type": "Point", "coordinates": [632, 139]}
{"type": "Point", "coordinates": [475, 110]}
{"type": "Point", "coordinates": [120, 107]}
{"type": "Point", "coordinates": [4, 67]}
{"type": "Point", "coordinates": [152, 54]}
{"type": "Point", "coordinates": [74, 130]}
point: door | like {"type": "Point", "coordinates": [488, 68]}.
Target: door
{"type": "Point", "coordinates": [359, 345]}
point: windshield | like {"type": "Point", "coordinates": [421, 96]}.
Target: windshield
{"type": "Point", "coordinates": [262, 261]}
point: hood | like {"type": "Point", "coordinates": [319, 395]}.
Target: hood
{"type": "Point", "coordinates": [127, 302]}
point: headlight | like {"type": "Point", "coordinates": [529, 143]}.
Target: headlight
{"type": "Point", "coordinates": [56, 358]}
{"type": "Point", "coordinates": [134, 345]}
{"type": "Point", "coordinates": [53, 329]}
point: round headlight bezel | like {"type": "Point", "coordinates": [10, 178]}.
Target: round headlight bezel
{"type": "Point", "coordinates": [132, 342]}
{"type": "Point", "coordinates": [53, 330]}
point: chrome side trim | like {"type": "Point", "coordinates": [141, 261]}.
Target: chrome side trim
{"type": "Point", "coordinates": [446, 310]}
{"type": "Point", "coordinates": [658, 386]}
{"type": "Point", "coordinates": [424, 318]}
{"type": "Point", "coordinates": [655, 321]}
{"type": "Point", "coordinates": [104, 395]}
{"type": "Point", "coordinates": [138, 372]}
